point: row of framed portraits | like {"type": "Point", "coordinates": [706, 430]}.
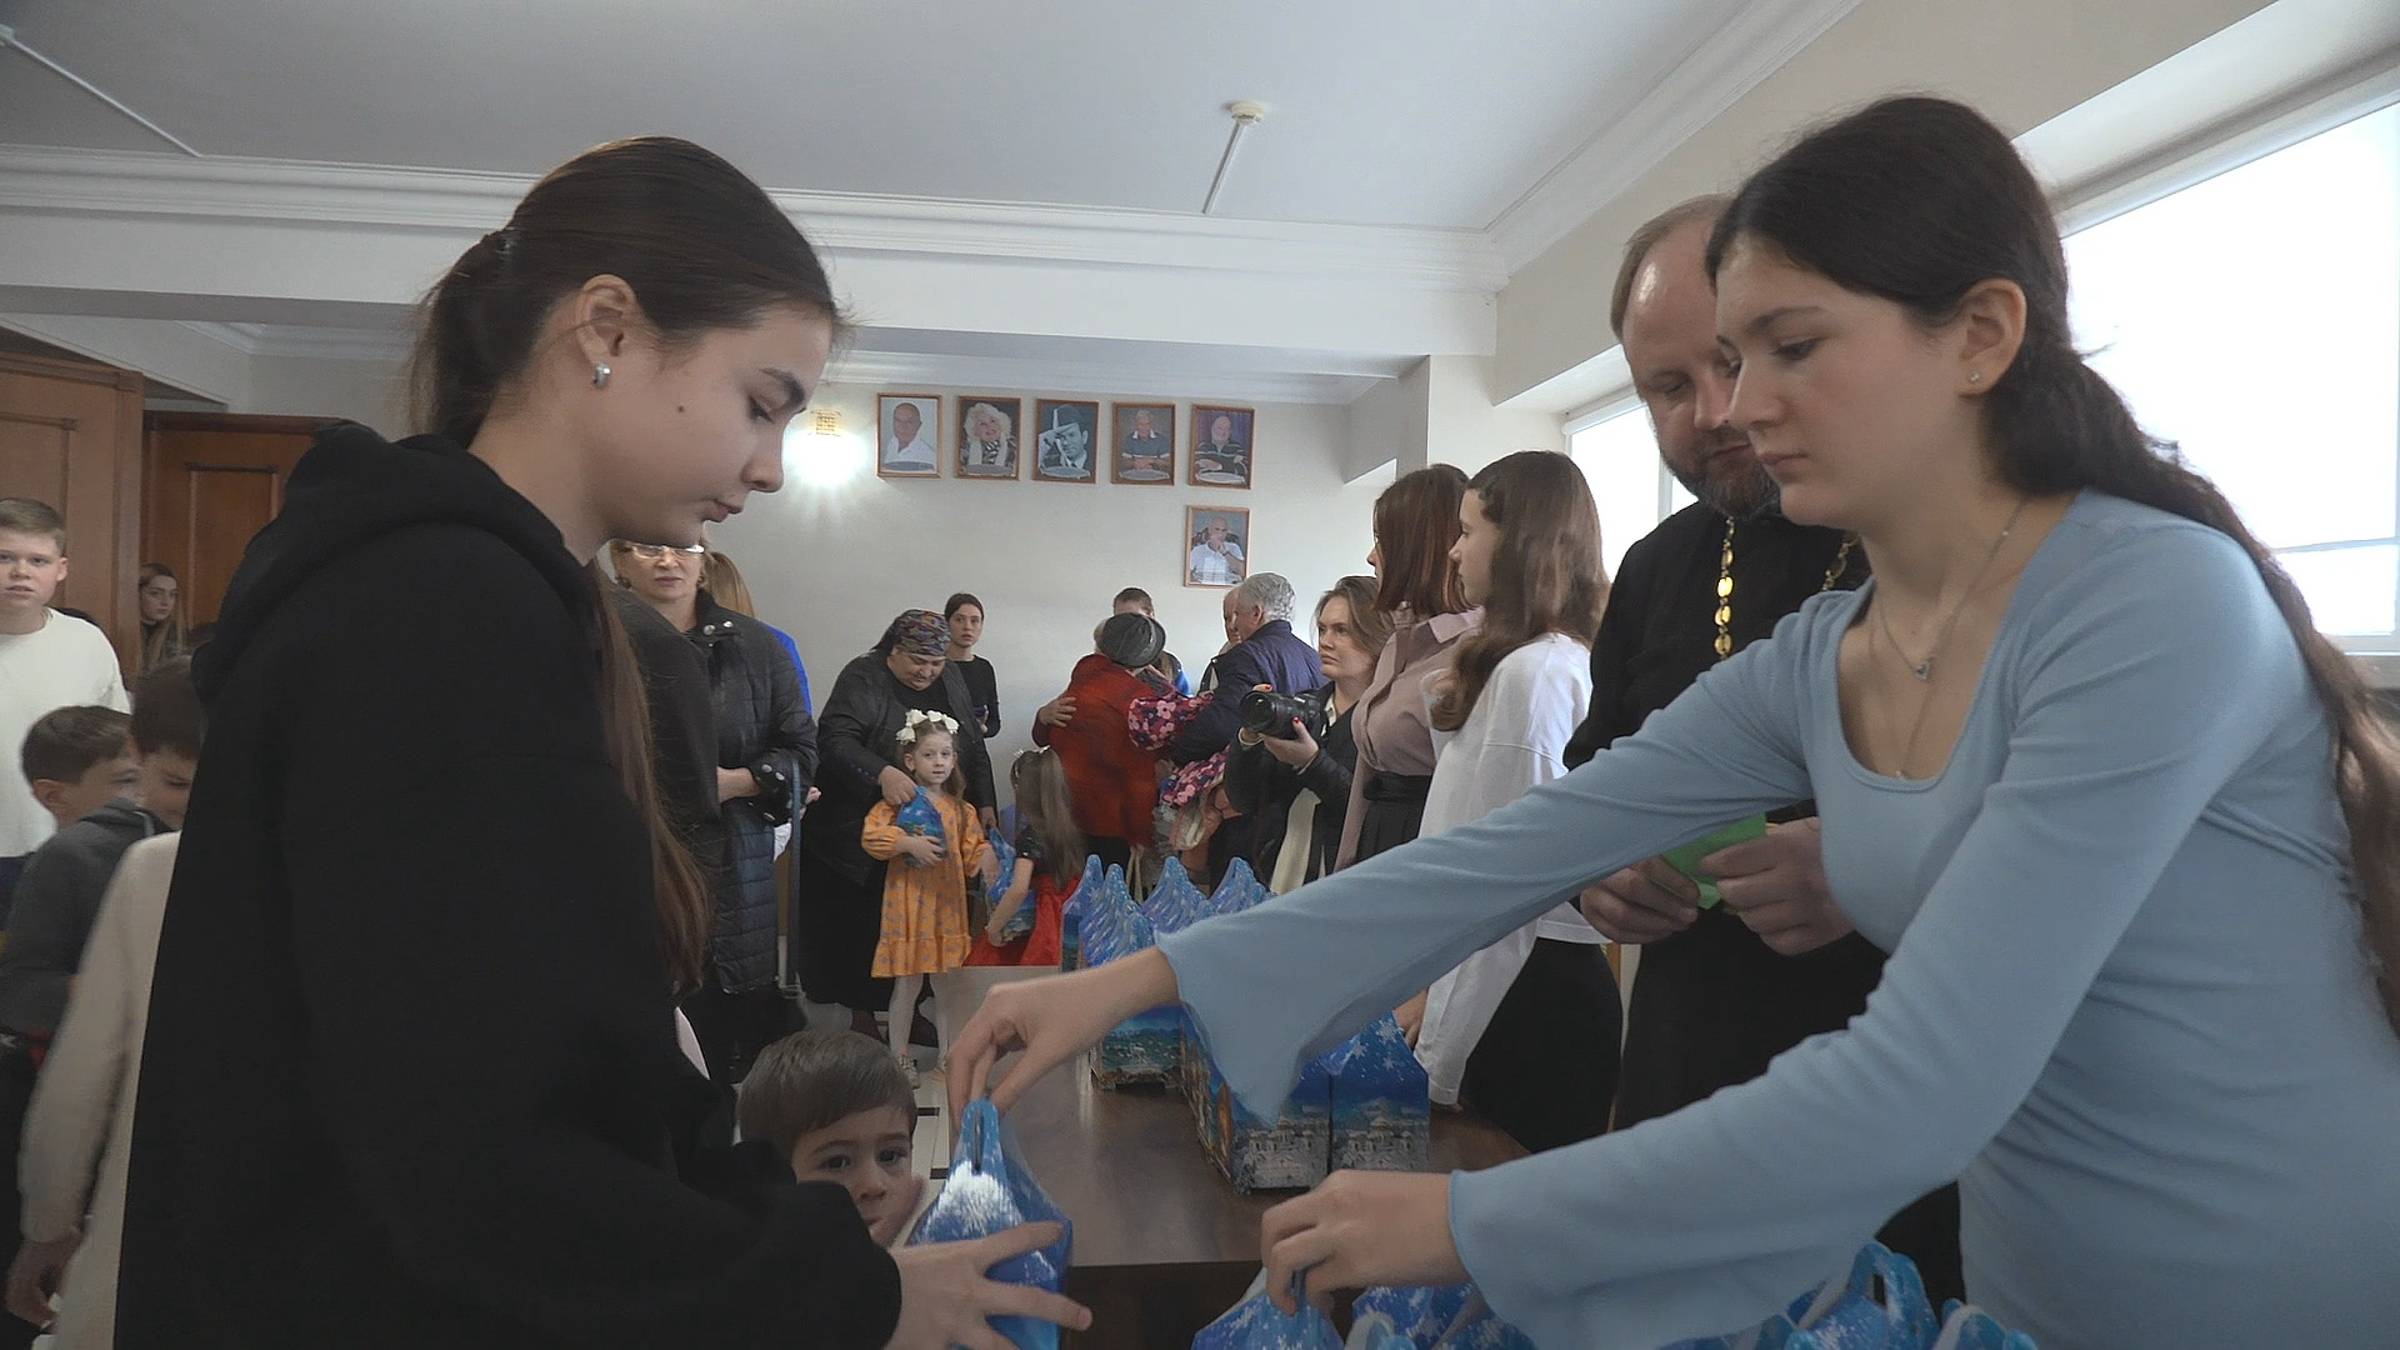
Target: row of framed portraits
{"type": "Point", "coordinates": [991, 439]}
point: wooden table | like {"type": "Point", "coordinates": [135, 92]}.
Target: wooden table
{"type": "Point", "coordinates": [1163, 1242]}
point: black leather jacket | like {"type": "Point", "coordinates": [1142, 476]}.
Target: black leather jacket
{"type": "Point", "coordinates": [762, 727]}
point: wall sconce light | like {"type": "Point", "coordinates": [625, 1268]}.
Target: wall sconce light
{"type": "Point", "coordinates": [817, 451]}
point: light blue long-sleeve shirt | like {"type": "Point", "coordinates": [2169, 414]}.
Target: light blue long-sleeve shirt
{"type": "Point", "coordinates": [2128, 1005]}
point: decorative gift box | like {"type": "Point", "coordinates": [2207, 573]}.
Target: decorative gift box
{"type": "Point", "coordinates": [1146, 1048]}
{"type": "Point", "coordinates": [1382, 1110]}
{"type": "Point", "coordinates": [1287, 1153]}
{"type": "Point", "coordinates": [1176, 904]}
{"type": "Point", "coordinates": [1070, 917]}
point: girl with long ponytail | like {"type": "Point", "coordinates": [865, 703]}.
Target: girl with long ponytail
{"type": "Point", "coordinates": [411, 1074]}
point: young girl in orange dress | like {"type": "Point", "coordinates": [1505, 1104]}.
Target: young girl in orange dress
{"type": "Point", "coordinates": [933, 845]}
{"type": "Point", "coordinates": [1050, 855]}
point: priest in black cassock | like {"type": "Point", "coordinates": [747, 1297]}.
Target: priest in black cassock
{"type": "Point", "coordinates": [1719, 992]}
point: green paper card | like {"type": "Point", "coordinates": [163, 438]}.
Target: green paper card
{"type": "Point", "coordinates": [1687, 859]}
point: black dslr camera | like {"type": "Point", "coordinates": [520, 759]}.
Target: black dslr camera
{"type": "Point", "coordinates": [1267, 713]}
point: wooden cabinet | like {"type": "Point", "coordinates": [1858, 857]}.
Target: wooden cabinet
{"type": "Point", "coordinates": [71, 435]}
{"type": "Point", "coordinates": [211, 482]}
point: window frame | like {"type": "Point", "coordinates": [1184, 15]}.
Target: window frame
{"type": "Point", "coordinates": [2221, 148]}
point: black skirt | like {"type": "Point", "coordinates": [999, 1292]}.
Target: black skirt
{"type": "Point", "coordinates": [1714, 1005]}
{"type": "Point", "coordinates": [1394, 807]}
{"type": "Point", "coordinates": [1546, 1068]}
{"type": "Point", "coordinates": [838, 922]}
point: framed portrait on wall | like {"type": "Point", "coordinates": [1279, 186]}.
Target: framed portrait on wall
{"type": "Point", "coordinates": [908, 435]}
{"type": "Point", "coordinates": [1066, 441]}
{"type": "Point", "coordinates": [987, 435]}
{"type": "Point", "coordinates": [1223, 449]}
{"type": "Point", "coordinates": [1216, 546]}
{"type": "Point", "coordinates": [1142, 444]}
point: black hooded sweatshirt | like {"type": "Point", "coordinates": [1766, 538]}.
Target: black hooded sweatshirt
{"type": "Point", "coordinates": [411, 1074]}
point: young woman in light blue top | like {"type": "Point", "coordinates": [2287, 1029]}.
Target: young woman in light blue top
{"type": "Point", "coordinates": [2124, 820]}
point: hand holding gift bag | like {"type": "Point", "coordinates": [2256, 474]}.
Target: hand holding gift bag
{"type": "Point", "coordinates": [921, 819]}
{"type": "Point", "coordinates": [988, 1192]}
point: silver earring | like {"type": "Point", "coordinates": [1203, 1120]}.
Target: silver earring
{"type": "Point", "coordinates": [1973, 376]}
{"type": "Point", "coordinates": [600, 375]}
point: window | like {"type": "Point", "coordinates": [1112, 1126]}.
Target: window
{"type": "Point", "coordinates": [2254, 319]}
{"type": "Point", "coordinates": [1619, 458]}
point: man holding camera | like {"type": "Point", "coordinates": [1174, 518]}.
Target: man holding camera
{"type": "Point", "coordinates": [1265, 652]}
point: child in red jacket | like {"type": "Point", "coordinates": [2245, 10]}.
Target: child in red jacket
{"type": "Point", "coordinates": [1050, 855]}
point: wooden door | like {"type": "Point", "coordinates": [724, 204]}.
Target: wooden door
{"type": "Point", "coordinates": [211, 482]}
{"type": "Point", "coordinates": [71, 435]}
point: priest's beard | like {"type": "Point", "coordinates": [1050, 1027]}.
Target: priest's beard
{"type": "Point", "coordinates": [1745, 492]}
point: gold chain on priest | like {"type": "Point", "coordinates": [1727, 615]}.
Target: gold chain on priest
{"type": "Point", "coordinates": [1833, 576]}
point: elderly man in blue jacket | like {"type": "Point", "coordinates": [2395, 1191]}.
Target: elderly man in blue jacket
{"type": "Point", "coordinates": [1258, 617]}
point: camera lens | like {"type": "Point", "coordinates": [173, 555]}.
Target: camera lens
{"type": "Point", "coordinates": [1267, 713]}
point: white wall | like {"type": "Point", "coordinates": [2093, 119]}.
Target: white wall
{"type": "Point", "coordinates": [1463, 427]}
{"type": "Point", "coordinates": [831, 565]}
{"type": "Point", "coordinates": [1442, 412]}
{"type": "Point", "coordinates": [1386, 426]}
{"type": "Point", "coordinates": [370, 392]}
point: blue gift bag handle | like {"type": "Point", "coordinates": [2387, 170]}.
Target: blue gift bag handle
{"type": "Point", "coordinates": [1969, 1328]}
{"type": "Point", "coordinates": [979, 1151]}
{"type": "Point", "coordinates": [979, 1137]}
{"type": "Point", "coordinates": [1843, 1309]}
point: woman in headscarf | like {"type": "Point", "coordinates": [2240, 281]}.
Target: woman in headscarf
{"type": "Point", "coordinates": [841, 888]}
{"type": "Point", "coordinates": [1111, 778]}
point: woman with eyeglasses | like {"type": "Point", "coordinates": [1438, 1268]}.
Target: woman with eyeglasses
{"type": "Point", "coordinates": [766, 748]}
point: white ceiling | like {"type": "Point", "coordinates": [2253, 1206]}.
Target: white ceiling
{"type": "Point", "coordinates": [1389, 112]}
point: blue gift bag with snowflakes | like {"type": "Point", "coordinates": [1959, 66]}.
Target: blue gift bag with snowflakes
{"type": "Point", "coordinates": [1256, 1323]}
{"type": "Point", "coordinates": [922, 819]}
{"type": "Point", "coordinates": [989, 1191]}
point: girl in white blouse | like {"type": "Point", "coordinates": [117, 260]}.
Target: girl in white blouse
{"type": "Point", "coordinates": [1526, 1030]}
